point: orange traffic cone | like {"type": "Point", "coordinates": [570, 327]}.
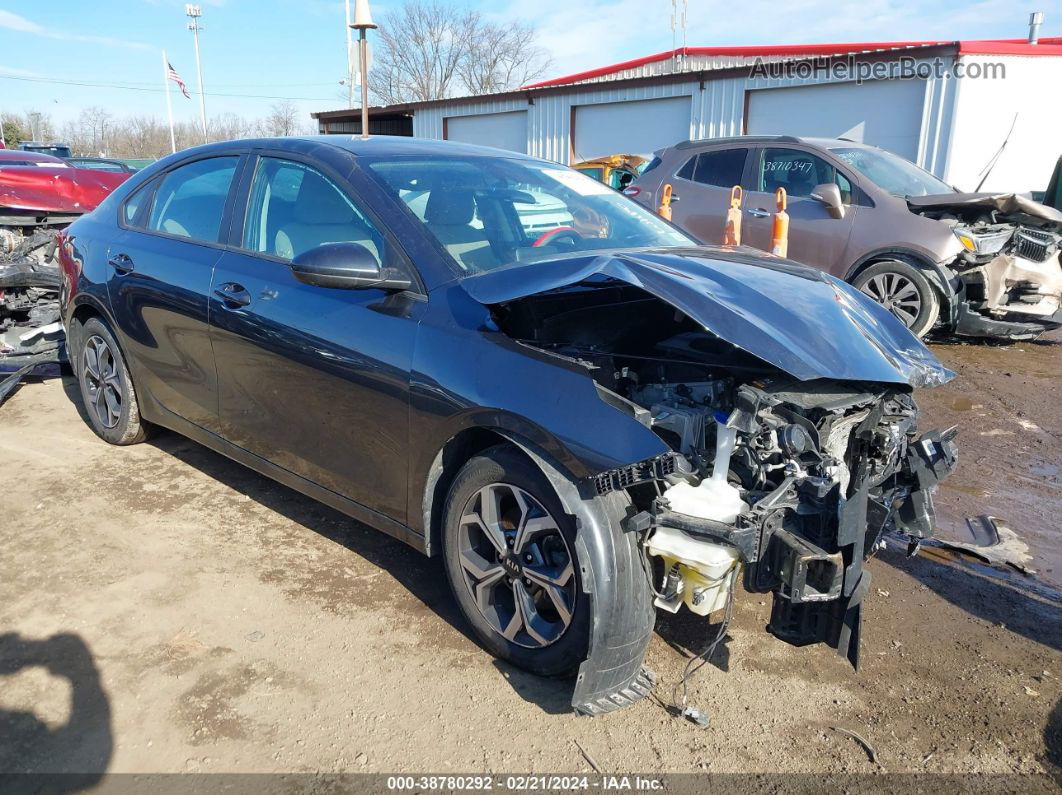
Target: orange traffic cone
{"type": "Point", "coordinates": [664, 210]}
{"type": "Point", "coordinates": [732, 231]}
{"type": "Point", "coordinates": [780, 230]}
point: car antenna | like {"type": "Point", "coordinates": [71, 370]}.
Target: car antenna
{"type": "Point", "coordinates": [995, 158]}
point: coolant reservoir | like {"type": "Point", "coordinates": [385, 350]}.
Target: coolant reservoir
{"type": "Point", "coordinates": [704, 569]}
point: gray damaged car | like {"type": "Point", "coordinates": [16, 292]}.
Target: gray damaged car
{"type": "Point", "coordinates": [974, 264]}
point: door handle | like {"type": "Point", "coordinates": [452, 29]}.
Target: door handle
{"type": "Point", "coordinates": [233, 294]}
{"type": "Point", "coordinates": [758, 213]}
{"type": "Point", "coordinates": [122, 263]}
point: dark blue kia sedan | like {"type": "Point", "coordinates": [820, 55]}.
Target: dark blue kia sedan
{"type": "Point", "coordinates": [584, 412]}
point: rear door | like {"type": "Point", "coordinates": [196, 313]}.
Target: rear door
{"type": "Point", "coordinates": [701, 191]}
{"type": "Point", "coordinates": [159, 279]}
{"type": "Point", "coordinates": [313, 379]}
{"type": "Point", "coordinates": [815, 237]}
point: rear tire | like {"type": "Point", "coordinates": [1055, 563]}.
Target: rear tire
{"type": "Point", "coordinates": [904, 290]}
{"type": "Point", "coordinates": [509, 550]}
{"type": "Point", "coordinates": [107, 392]}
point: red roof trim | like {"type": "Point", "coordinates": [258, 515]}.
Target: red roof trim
{"type": "Point", "coordinates": [987, 47]}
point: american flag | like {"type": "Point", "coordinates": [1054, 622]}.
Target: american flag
{"type": "Point", "coordinates": [176, 78]}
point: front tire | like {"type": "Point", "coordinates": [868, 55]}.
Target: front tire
{"type": "Point", "coordinates": [509, 550]}
{"type": "Point", "coordinates": [904, 290]}
{"type": "Point", "coordinates": [107, 391]}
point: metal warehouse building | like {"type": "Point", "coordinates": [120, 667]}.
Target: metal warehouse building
{"type": "Point", "coordinates": [947, 105]}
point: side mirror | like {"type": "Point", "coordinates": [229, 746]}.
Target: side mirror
{"type": "Point", "coordinates": [830, 195]}
{"type": "Point", "coordinates": [345, 266]}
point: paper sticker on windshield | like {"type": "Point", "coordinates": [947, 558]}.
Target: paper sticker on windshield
{"type": "Point", "coordinates": [582, 185]}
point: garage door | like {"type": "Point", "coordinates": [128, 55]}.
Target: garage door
{"type": "Point", "coordinates": [501, 130]}
{"type": "Point", "coordinates": [630, 128]}
{"type": "Point", "coordinates": [885, 113]}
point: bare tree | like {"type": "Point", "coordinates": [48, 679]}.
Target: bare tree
{"type": "Point", "coordinates": [427, 50]}
{"type": "Point", "coordinates": [283, 119]}
{"type": "Point", "coordinates": [501, 57]}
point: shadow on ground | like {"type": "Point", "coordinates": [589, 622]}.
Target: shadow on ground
{"type": "Point", "coordinates": [1022, 604]}
{"type": "Point", "coordinates": [72, 756]}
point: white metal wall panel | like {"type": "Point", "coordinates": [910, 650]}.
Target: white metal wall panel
{"type": "Point", "coordinates": [716, 110]}
{"type": "Point", "coordinates": [500, 130]}
{"type": "Point", "coordinates": [635, 127]}
{"type": "Point", "coordinates": [986, 109]}
{"type": "Point", "coordinates": [885, 113]}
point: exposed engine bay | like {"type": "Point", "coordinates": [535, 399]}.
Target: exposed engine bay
{"type": "Point", "coordinates": [784, 485]}
{"type": "Point", "coordinates": [1011, 268]}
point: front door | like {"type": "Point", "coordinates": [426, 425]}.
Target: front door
{"type": "Point", "coordinates": [313, 379]}
{"type": "Point", "coordinates": [815, 237]}
{"type": "Point", "coordinates": [160, 270]}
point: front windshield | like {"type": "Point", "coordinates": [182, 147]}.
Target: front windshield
{"type": "Point", "coordinates": [490, 212]}
{"type": "Point", "coordinates": [892, 173]}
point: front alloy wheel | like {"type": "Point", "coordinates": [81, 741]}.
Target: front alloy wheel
{"type": "Point", "coordinates": [510, 556]}
{"type": "Point", "coordinates": [904, 290]}
{"type": "Point", "coordinates": [517, 565]}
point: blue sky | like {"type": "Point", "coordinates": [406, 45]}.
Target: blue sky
{"type": "Point", "coordinates": [296, 49]}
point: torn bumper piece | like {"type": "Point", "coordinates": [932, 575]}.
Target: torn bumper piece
{"type": "Point", "coordinates": [1010, 297]}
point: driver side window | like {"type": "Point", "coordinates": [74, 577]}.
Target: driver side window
{"type": "Point", "coordinates": [293, 208]}
{"type": "Point", "coordinates": [799, 172]}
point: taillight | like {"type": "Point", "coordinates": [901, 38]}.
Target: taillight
{"type": "Point", "coordinates": [632, 191]}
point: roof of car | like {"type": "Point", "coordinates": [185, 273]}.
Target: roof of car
{"type": "Point", "coordinates": [24, 156]}
{"type": "Point", "coordinates": [376, 146]}
{"type": "Point", "coordinates": [769, 139]}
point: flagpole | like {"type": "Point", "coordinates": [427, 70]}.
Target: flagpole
{"type": "Point", "coordinates": [169, 102]}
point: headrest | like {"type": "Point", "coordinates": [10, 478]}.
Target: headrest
{"type": "Point", "coordinates": [320, 203]}
{"type": "Point", "coordinates": [450, 207]}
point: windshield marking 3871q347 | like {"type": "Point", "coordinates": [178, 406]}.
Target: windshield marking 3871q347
{"type": "Point", "coordinates": [491, 212]}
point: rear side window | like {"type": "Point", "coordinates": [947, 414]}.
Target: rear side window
{"type": "Point", "coordinates": [133, 203]}
{"type": "Point", "coordinates": [656, 161]}
{"type": "Point", "coordinates": [722, 168]}
{"type": "Point", "coordinates": [190, 200]}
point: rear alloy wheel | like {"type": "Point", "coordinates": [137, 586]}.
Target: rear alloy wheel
{"type": "Point", "coordinates": [510, 559]}
{"type": "Point", "coordinates": [107, 392]}
{"type": "Point", "coordinates": [904, 291]}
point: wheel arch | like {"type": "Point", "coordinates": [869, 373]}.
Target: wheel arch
{"type": "Point", "coordinates": [938, 276]}
{"type": "Point", "coordinates": [611, 569]}
{"type": "Point", "coordinates": [84, 309]}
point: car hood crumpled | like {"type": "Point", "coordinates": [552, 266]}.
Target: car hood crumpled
{"type": "Point", "coordinates": [798, 319]}
{"type": "Point", "coordinates": [1005, 203]}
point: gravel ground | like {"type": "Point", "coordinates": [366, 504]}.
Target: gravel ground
{"type": "Point", "coordinates": [165, 610]}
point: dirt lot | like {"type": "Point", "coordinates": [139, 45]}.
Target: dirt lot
{"type": "Point", "coordinates": [168, 610]}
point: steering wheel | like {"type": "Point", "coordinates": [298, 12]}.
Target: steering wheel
{"type": "Point", "coordinates": [560, 232]}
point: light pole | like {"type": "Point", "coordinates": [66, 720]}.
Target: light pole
{"type": "Point", "coordinates": [193, 12]}
{"type": "Point", "coordinates": [362, 22]}
{"type": "Point", "coordinates": [350, 60]}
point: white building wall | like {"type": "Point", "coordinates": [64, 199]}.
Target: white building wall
{"type": "Point", "coordinates": [716, 110]}
{"type": "Point", "coordinates": [984, 112]}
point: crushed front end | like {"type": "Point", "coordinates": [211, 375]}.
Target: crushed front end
{"type": "Point", "coordinates": [1008, 276]}
{"type": "Point", "coordinates": [818, 472]}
